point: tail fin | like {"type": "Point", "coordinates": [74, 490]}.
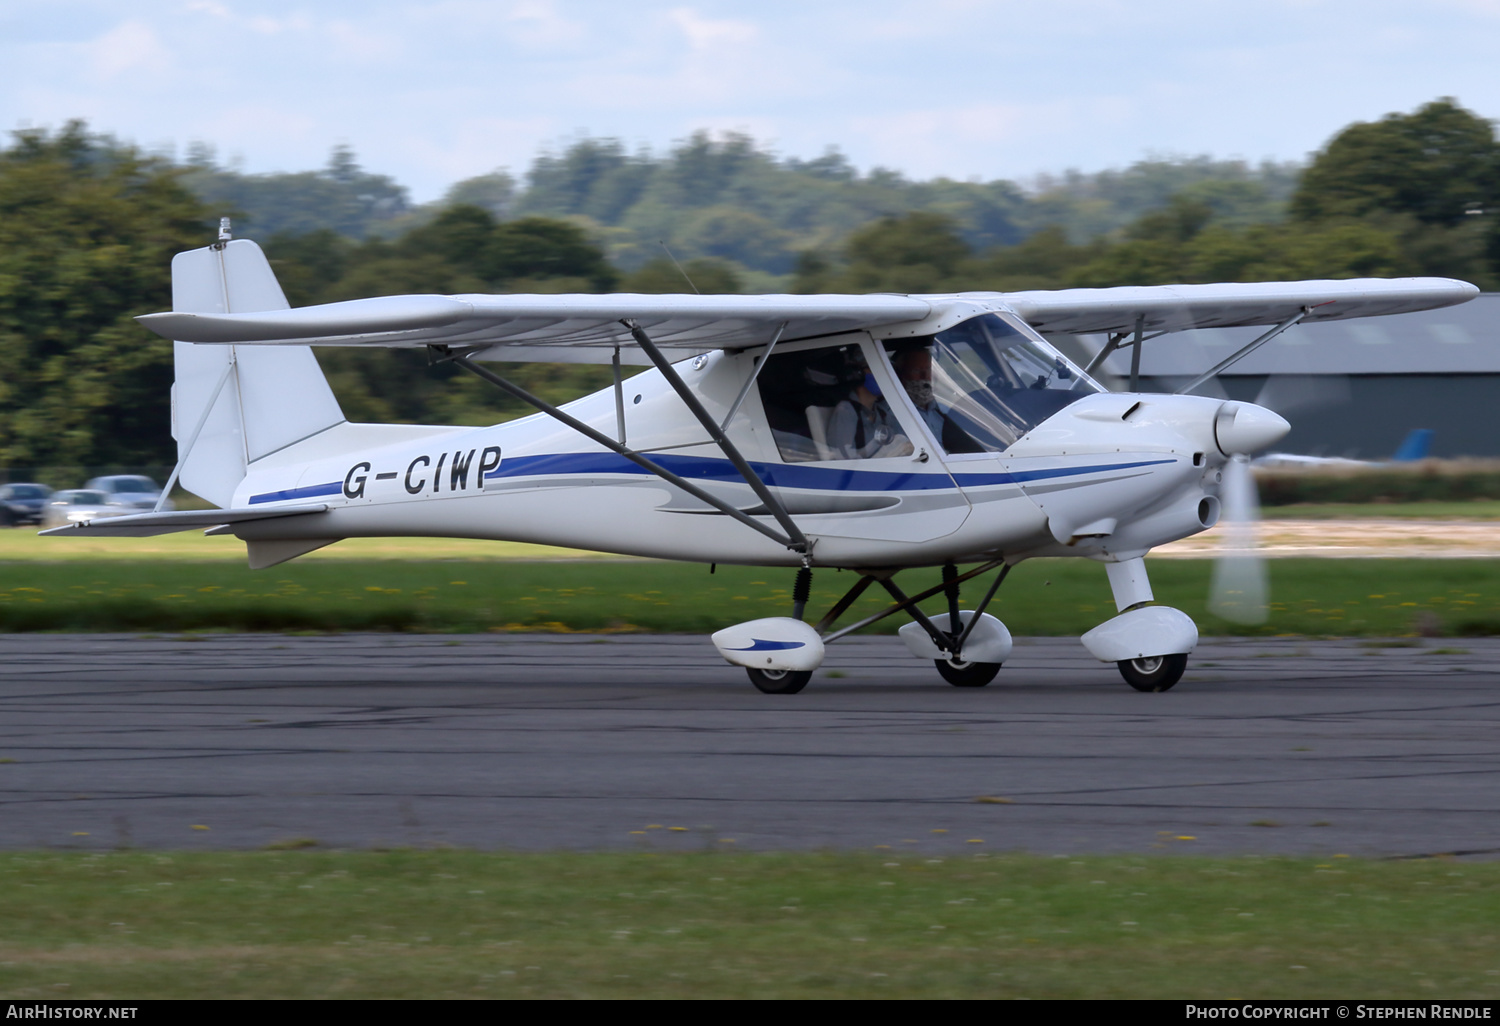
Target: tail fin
{"type": "Point", "coordinates": [264, 398]}
{"type": "Point", "coordinates": [1415, 447]}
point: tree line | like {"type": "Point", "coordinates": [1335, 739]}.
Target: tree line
{"type": "Point", "coordinates": [88, 226]}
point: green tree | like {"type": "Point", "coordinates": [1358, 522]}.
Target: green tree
{"type": "Point", "coordinates": [1437, 164]}
{"type": "Point", "coordinates": [1045, 260]}
{"type": "Point", "coordinates": [661, 277]}
{"type": "Point", "coordinates": [463, 249]}
{"type": "Point", "coordinates": [342, 197]}
{"type": "Point", "coordinates": [88, 228]}
{"type": "Point", "coordinates": [541, 247]}
{"type": "Point", "coordinates": [494, 192]}
{"type": "Point", "coordinates": [918, 252]}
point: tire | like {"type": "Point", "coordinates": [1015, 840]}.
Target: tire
{"type": "Point", "coordinates": [968, 675]}
{"type": "Point", "coordinates": [779, 682]}
{"type": "Point", "coordinates": [1153, 673]}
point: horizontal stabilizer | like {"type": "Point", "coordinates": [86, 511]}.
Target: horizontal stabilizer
{"type": "Point", "coordinates": [145, 525]}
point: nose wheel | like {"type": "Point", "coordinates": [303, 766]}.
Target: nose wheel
{"type": "Point", "coordinates": [1153, 673]}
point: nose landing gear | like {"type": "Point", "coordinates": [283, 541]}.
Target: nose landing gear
{"type": "Point", "coordinates": [1132, 639]}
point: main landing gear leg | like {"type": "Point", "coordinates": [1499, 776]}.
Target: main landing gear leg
{"type": "Point", "coordinates": [952, 666]}
{"type": "Point", "coordinates": [945, 639]}
{"type": "Point", "coordinates": [787, 682]}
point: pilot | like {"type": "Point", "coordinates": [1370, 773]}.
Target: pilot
{"type": "Point", "coordinates": [863, 426]}
{"type": "Point", "coordinates": [914, 369]}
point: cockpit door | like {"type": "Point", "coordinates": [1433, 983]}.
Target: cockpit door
{"type": "Point", "coordinates": [852, 463]}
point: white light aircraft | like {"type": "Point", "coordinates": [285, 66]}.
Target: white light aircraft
{"type": "Point", "coordinates": [869, 433]}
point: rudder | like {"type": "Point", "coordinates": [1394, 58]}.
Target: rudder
{"type": "Point", "coordinates": [264, 398]}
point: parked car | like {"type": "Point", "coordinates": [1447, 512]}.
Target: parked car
{"type": "Point", "coordinates": [22, 503]}
{"type": "Point", "coordinates": [79, 504]}
{"type": "Point", "coordinates": [132, 490]}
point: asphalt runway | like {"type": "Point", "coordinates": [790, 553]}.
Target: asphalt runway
{"type": "Point", "coordinates": [586, 742]}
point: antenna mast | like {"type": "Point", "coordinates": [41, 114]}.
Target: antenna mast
{"type": "Point", "coordinates": [679, 267]}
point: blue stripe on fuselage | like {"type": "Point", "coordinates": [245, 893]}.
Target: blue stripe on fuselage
{"type": "Point", "coordinates": [307, 492]}
{"type": "Point", "coordinates": [779, 475]}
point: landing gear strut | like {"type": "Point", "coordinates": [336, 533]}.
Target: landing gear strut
{"type": "Point", "coordinates": [944, 638]}
{"type": "Point", "coordinates": [787, 682]}
{"type": "Point", "coordinates": [1133, 639]}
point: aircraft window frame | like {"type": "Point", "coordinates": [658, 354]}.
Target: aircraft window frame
{"type": "Point", "coordinates": [783, 420]}
{"type": "Point", "coordinates": [952, 432]}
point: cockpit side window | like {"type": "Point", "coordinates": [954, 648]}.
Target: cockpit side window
{"type": "Point", "coordinates": [984, 383]}
{"type": "Point", "coordinates": [825, 404]}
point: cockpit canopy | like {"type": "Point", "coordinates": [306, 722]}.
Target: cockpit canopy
{"type": "Point", "coordinates": [990, 382]}
{"type": "Point", "coordinates": [977, 387]}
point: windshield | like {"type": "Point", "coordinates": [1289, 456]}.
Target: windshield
{"type": "Point", "coordinates": [132, 484]}
{"type": "Point", "coordinates": [984, 383]}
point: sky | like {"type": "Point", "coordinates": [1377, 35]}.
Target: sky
{"type": "Point", "coordinates": [434, 92]}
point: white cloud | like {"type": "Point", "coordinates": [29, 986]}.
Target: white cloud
{"type": "Point", "coordinates": [353, 41]}
{"type": "Point", "coordinates": [129, 47]}
{"type": "Point", "coordinates": [712, 35]}
{"type": "Point", "coordinates": [538, 23]}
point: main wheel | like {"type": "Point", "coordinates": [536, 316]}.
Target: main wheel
{"type": "Point", "coordinates": [1153, 673]}
{"type": "Point", "coordinates": [967, 675]}
{"type": "Point", "coordinates": [779, 682]}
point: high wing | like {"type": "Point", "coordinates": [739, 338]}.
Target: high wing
{"type": "Point", "coordinates": [693, 322]}
{"type": "Point", "coordinates": [1231, 304]}
{"type": "Point", "coordinates": [553, 324]}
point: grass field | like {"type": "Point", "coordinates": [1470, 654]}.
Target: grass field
{"type": "Point", "coordinates": [1042, 597]}
{"type": "Point", "coordinates": [464, 924]}
{"type": "Point", "coordinates": [1479, 509]}
{"type": "Point", "coordinates": [192, 546]}
{"type": "Point", "coordinates": [185, 581]}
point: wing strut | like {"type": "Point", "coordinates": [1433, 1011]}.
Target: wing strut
{"type": "Point", "coordinates": [793, 539]}
{"type": "Point", "coordinates": [750, 381]}
{"type": "Point", "coordinates": [1246, 351]}
{"type": "Point", "coordinates": [1117, 341]}
{"type": "Point", "coordinates": [798, 541]}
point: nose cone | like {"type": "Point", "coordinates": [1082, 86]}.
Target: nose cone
{"type": "Point", "coordinates": [1245, 427]}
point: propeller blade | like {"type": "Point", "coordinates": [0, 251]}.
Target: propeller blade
{"type": "Point", "coordinates": [1301, 393]}
{"type": "Point", "coordinates": [1239, 592]}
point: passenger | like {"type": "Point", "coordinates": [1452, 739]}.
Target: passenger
{"type": "Point", "coordinates": [863, 427]}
